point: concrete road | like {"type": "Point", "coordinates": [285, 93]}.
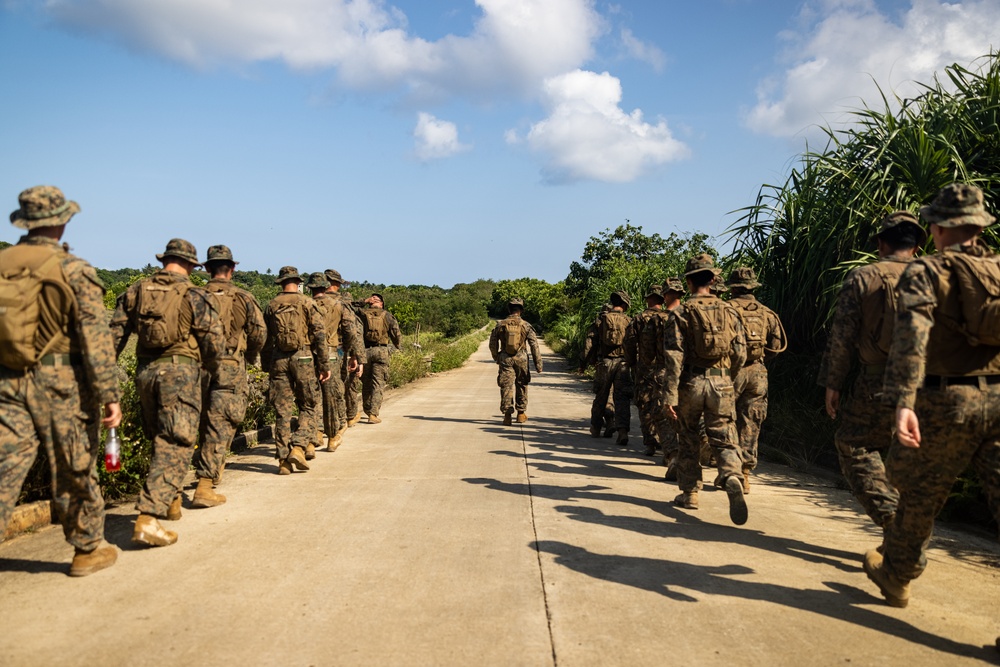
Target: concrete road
{"type": "Point", "coordinates": [441, 537]}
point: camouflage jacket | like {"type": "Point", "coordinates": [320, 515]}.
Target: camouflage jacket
{"type": "Point", "coordinates": [678, 347]}
{"type": "Point", "coordinates": [773, 335]}
{"type": "Point", "coordinates": [342, 327]}
{"type": "Point", "coordinates": [207, 332]}
{"type": "Point", "coordinates": [853, 334]}
{"type": "Point", "coordinates": [315, 330]}
{"type": "Point", "coordinates": [530, 342]}
{"type": "Point", "coordinates": [923, 342]}
{"type": "Point", "coordinates": [246, 331]}
{"type": "Point", "coordinates": [644, 339]}
{"type": "Point", "coordinates": [86, 328]}
{"type": "Point", "coordinates": [588, 354]}
{"type": "Point", "coordinates": [395, 336]}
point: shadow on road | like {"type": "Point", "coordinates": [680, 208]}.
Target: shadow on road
{"type": "Point", "coordinates": [31, 566]}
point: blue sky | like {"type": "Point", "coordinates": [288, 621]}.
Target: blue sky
{"type": "Point", "coordinates": [436, 142]}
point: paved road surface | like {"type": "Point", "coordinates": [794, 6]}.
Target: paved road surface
{"type": "Point", "coordinates": [440, 537]}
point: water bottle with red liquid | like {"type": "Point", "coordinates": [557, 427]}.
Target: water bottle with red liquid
{"type": "Point", "coordinates": [112, 451]}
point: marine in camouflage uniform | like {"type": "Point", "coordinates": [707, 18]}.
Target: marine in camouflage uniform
{"type": "Point", "coordinates": [514, 375]}
{"type": "Point", "coordinates": [56, 403]}
{"type": "Point", "coordinates": [612, 378]}
{"type": "Point", "coordinates": [666, 429]}
{"type": "Point", "coordinates": [225, 402]}
{"type": "Point", "coordinates": [644, 356]}
{"type": "Point", "coordinates": [169, 381]}
{"type": "Point", "coordinates": [292, 373]}
{"type": "Point", "coordinates": [698, 386]}
{"type": "Point", "coordinates": [378, 349]}
{"type": "Point", "coordinates": [588, 357]}
{"type": "Point", "coordinates": [340, 330]}
{"type": "Point", "coordinates": [859, 340]}
{"type": "Point", "coordinates": [765, 339]}
{"type": "Point", "coordinates": [945, 385]}
{"type": "Point", "coordinates": [350, 377]}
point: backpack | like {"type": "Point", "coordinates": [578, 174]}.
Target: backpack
{"type": "Point", "coordinates": [614, 326]}
{"type": "Point", "coordinates": [160, 302]}
{"type": "Point", "coordinates": [880, 305]}
{"type": "Point", "coordinates": [20, 308]}
{"type": "Point", "coordinates": [376, 327]}
{"type": "Point", "coordinates": [711, 329]}
{"type": "Point", "coordinates": [289, 326]}
{"type": "Point", "coordinates": [754, 318]}
{"type": "Point", "coordinates": [224, 299]}
{"type": "Point", "coordinates": [512, 336]}
{"type": "Point", "coordinates": [978, 279]}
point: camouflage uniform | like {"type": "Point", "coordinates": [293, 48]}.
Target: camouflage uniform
{"type": "Point", "coordinates": [703, 388]}
{"type": "Point", "coordinates": [765, 339]}
{"type": "Point", "coordinates": [952, 385]}
{"type": "Point", "coordinates": [376, 374]}
{"type": "Point", "coordinates": [169, 380]}
{"type": "Point", "coordinates": [226, 398]}
{"type": "Point", "coordinates": [588, 357]}
{"type": "Point", "coordinates": [56, 404]}
{"type": "Point", "coordinates": [644, 355]}
{"type": "Point", "coordinates": [341, 333]}
{"type": "Point", "coordinates": [612, 378]}
{"type": "Point", "coordinates": [865, 432]}
{"type": "Point", "coordinates": [352, 379]}
{"type": "Point", "coordinates": [292, 373]}
{"type": "Point", "coordinates": [514, 375]}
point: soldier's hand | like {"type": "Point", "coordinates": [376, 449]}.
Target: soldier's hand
{"type": "Point", "coordinates": [832, 402]}
{"type": "Point", "coordinates": [324, 376]}
{"type": "Point", "coordinates": [907, 427]}
{"type": "Point", "coordinates": [352, 365]}
{"type": "Point", "coordinates": [361, 369]}
{"type": "Point", "coordinates": [112, 415]}
{"type": "Point", "coordinates": [671, 412]}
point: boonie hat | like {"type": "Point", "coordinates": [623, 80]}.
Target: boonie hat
{"type": "Point", "coordinates": [516, 301]}
{"type": "Point", "coordinates": [622, 296]}
{"type": "Point", "coordinates": [220, 253]}
{"type": "Point", "coordinates": [181, 249]}
{"type": "Point", "coordinates": [287, 273]}
{"type": "Point", "coordinates": [334, 276]}
{"type": "Point", "coordinates": [673, 285]}
{"type": "Point", "coordinates": [43, 206]}
{"type": "Point", "coordinates": [743, 276]}
{"type": "Point", "coordinates": [897, 218]}
{"type": "Point", "coordinates": [654, 291]}
{"type": "Point", "coordinates": [957, 205]}
{"type": "Point", "coordinates": [699, 263]}
{"type": "Point", "coordinates": [718, 285]}
{"type": "Point", "coordinates": [317, 281]}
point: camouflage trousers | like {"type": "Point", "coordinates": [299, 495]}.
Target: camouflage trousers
{"type": "Point", "coordinates": [750, 387]}
{"type": "Point", "coordinates": [334, 408]}
{"type": "Point", "coordinates": [351, 384]}
{"type": "Point", "coordinates": [51, 408]}
{"type": "Point", "coordinates": [654, 422]}
{"type": "Point", "coordinates": [863, 439]}
{"type": "Point", "coordinates": [513, 378]}
{"type": "Point", "coordinates": [613, 379]}
{"type": "Point", "coordinates": [959, 426]}
{"type": "Point", "coordinates": [375, 378]}
{"type": "Point", "coordinates": [225, 405]}
{"type": "Point", "coordinates": [293, 386]}
{"type": "Point", "coordinates": [170, 398]}
{"type": "Point", "coordinates": [711, 398]}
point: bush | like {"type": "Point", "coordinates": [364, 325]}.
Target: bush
{"type": "Point", "coordinates": [458, 352]}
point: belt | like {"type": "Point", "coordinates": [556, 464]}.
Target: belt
{"type": "Point", "coordinates": [376, 345]}
{"type": "Point", "coordinates": [175, 359]}
{"type": "Point", "coordinates": [944, 381]}
{"type": "Point", "coordinates": [709, 372]}
{"type": "Point", "coordinates": [65, 359]}
{"type": "Point", "coordinates": [876, 370]}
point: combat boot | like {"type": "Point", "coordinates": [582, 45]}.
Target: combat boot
{"type": "Point", "coordinates": [334, 442]}
{"type": "Point", "coordinates": [310, 452]}
{"type": "Point", "coordinates": [174, 511]}
{"type": "Point", "coordinates": [148, 531]}
{"type": "Point", "coordinates": [205, 495]}
{"type": "Point", "coordinates": [738, 512]}
{"type": "Point", "coordinates": [671, 462]}
{"type": "Point", "coordinates": [746, 480]}
{"type": "Point", "coordinates": [650, 446]}
{"type": "Point", "coordinates": [609, 430]}
{"type": "Point", "coordinates": [508, 418]}
{"type": "Point", "coordinates": [521, 417]}
{"type": "Point", "coordinates": [354, 420]}
{"type": "Point", "coordinates": [688, 500]}
{"type": "Point", "coordinates": [374, 419]}
{"type": "Point", "coordinates": [284, 467]}
{"type": "Point", "coordinates": [895, 592]}
{"type": "Point", "coordinates": [89, 562]}
{"type": "Point", "coordinates": [622, 440]}
{"type": "Point", "coordinates": [297, 458]}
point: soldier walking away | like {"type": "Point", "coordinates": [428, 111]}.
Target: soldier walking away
{"type": "Point", "coordinates": [178, 330]}
{"type": "Point", "coordinates": [295, 348]}
{"type": "Point", "coordinates": [613, 378]}
{"type": "Point", "coordinates": [765, 338]}
{"type": "Point", "coordinates": [588, 357]}
{"type": "Point", "coordinates": [861, 336]}
{"type": "Point", "coordinates": [225, 402]}
{"type": "Point", "coordinates": [943, 375]}
{"type": "Point", "coordinates": [57, 368]}
{"type": "Point", "coordinates": [644, 356]}
{"type": "Point", "coordinates": [350, 373]}
{"type": "Point", "coordinates": [673, 290]}
{"type": "Point", "coordinates": [509, 343]}
{"type": "Point", "coordinates": [380, 331]}
{"type": "Point", "coordinates": [705, 348]}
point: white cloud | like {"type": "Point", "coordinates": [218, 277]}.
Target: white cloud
{"type": "Point", "coordinates": [587, 136]}
{"type": "Point", "coordinates": [847, 46]}
{"type": "Point", "coordinates": [642, 51]}
{"type": "Point", "coordinates": [436, 138]}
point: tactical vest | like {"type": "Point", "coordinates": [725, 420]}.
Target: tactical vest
{"type": "Point", "coordinates": [755, 317]}
{"type": "Point", "coordinates": [512, 335]}
{"type": "Point", "coordinates": [376, 324]}
{"type": "Point", "coordinates": [288, 324]}
{"type": "Point", "coordinates": [648, 331]}
{"type": "Point", "coordinates": [612, 328]}
{"type": "Point", "coordinates": [878, 311]}
{"type": "Point", "coordinates": [232, 313]}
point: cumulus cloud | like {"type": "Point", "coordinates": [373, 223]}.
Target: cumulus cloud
{"type": "Point", "coordinates": [643, 51]}
{"type": "Point", "coordinates": [435, 138]}
{"type": "Point", "coordinates": [846, 47]}
{"type": "Point", "coordinates": [587, 136]}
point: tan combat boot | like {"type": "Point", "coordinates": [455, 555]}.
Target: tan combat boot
{"type": "Point", "coordinates": [688, 500]}
{"type": "Point", "coordinates": [670, 460]}
{"type": "Point", "coordinates": [174, 511]}
{"type": "Point", "coordinates": [354, 420]}
{"type": "Point", "coordinates": [895, 592]}
{"type": "Point", "coordinates": [205, 495]}
{"type": "Point", "coordinates": [738, 512]}
{"type": "Point", "coordinates": [374, 419]}
{"type": "Point", "coordinates": [334, 442]}
{"type": "Point", "coordinates": [89, 562]}
{"type": "Point", "coordinates": [622, 440]}
{"type": "Point", "coordinates": [508, 418]}
{"type": "Point", "coordinates": [595, 431]}
{"type": "Point", "coordinates": [148, 531]}
{"type": "Point", "coordinates": [521, 417]}
{"type": "Point", "coordinates": [746, 479]}
{"type": "Point", "coordinates": [310, 452]}
{"type": "Point", "coordinates": [284, 467]}
{"type": "Point", "coordinates": [298, 458]}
